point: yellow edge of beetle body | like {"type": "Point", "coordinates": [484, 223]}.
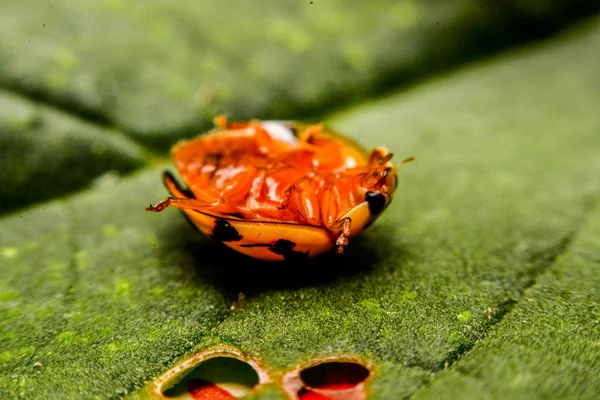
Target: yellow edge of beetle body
{"type": "Point", "coordinates": [262, 239]}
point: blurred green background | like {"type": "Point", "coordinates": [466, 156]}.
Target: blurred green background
{"type": "Point", "coordinates": [96, 86]}
{"type": "Point", "coordinates": [489, 252]}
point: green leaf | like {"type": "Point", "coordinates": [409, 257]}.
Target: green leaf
{"type": "Point", "coordinates": [95, 296]}
{"type": "Point", "coordinates": [480, 280]}
{"type": "Point", "coordinates": [46, 153]}
{"type": "Point", "coordinates": [162, 69]}
{"type": "Point", "coordinates": [549, 345]}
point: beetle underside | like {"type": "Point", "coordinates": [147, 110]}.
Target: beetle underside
{"type": "Point", "coordinates": [277, 172]}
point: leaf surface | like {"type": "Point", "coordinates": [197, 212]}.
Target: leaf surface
{"type": "Point", "coordinates": [47, 153]}
{"type": "Point", "coordinates": [480, 280]}
{"type": "Point", "coordinates": [162, 69]}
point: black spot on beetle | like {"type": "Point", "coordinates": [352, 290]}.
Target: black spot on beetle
{"type": "Point", "coordinates": [224, 232]}
{"type": "Point", "coordinates": [376, 202]}
{"type": "Point", "coordinates": [284, 248]}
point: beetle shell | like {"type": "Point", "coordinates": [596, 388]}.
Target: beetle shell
{"type": "Point", "coordinates": [277, 190]}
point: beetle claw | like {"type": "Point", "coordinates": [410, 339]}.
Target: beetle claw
{"type": "Point", "coordinates": [341, 242]}
{"type": "Point", "coordinates": [160, 206]}
{"type": "Point", "coordinates": [342, 229]}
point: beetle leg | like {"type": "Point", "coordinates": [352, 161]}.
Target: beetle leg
{"type": "Point", "coordinates": [330, 203]}
{"type": "Point", "coordinates": [304, 199]}
{"type": "Point", "coordinates": [379, 156]}
{"type": "Point", "coordinates": [308, 203]}
{"type": "Point", "coordinates": [341, 231]}
{"type": "Point", "coordinates": [237, 187]}
{"type": "Point", "coordinates": [286, 197]}
{"type": "Point", "coordinates": [183, 203]}
{"type": "Point", "coordinates": [379, 169]}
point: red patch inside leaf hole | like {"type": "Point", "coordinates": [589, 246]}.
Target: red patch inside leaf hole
{"type": "Point", "coordinates": [305, 394]}
{"type": "Point", "coordinates": [222, 376]}
{"type": "Point", "coordinates": [334, 375]}
{"type": "Point", "coordinates": [200, 389]}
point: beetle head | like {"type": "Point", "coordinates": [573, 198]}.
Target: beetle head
{"type": "Point", "coordinates": [380, 181]}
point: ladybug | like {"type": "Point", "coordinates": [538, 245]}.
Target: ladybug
{"type": "Point", "coordinates": [276, 190]}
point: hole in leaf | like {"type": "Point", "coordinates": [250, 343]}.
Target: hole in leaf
{"type": "Point", "coordinates": [328, 379]}
{"type": "Point", "coordinates": [219, 377]}
{"type": "Point", "coordinates": [334, 375]}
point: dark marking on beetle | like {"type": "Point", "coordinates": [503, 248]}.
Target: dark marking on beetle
{"type": "Point", "coordinates": [186, 191]}
{"type": "Point", "coordinates": [224, 232]}
{"type": "Point", "coordinates": [376, 202]}
{"type": "Point", "coordinates": [236, 215]}
{"type": "Point", "coordinates": [295, 130]}
{"type": "Point", "coordinates": [284, 248]}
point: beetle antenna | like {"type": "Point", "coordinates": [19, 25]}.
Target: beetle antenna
{"type": "Point", "coordinates": [405, 161]}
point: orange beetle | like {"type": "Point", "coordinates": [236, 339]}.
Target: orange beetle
{"type": "Point", "coordinates": [278, 190]}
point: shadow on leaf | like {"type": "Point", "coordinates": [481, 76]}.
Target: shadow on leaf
{"type": "Point", "coordinates": [231, 272]}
